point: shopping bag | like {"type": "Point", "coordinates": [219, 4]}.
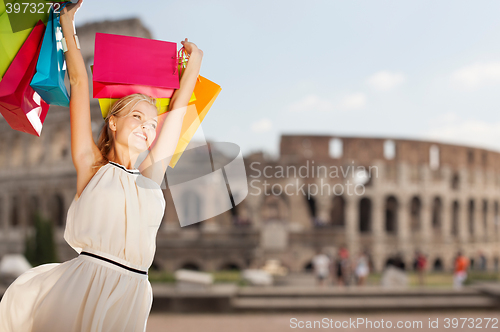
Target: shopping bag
{"type": "Point", "coordinates": [10, 42]}
{"type": "Point", "coordinates": [119, 90]}
{"type": "Point", "coordinates": [161, 103]}
{"type": "Point", "coordinates": [51, 67]}
{"type": "Point", "coordinates": [25, 14]}
{"type": "Point", "coordinates": [20, 105]}
{"type": "Point", "coordinates": [206, 92]}
{"type": "Point", "coordinates": [133, 60]}
{"type": "Point", "coordinates": [106, 103]}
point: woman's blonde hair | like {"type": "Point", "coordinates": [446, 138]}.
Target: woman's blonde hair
{"type": "Point", "coordinates": [106, 140]}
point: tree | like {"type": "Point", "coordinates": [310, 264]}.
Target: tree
{"type": "Point", "coordinates": [40, 246]}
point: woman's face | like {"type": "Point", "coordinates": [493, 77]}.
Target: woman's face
{"type": "Point", "coordinates": [137, 130]}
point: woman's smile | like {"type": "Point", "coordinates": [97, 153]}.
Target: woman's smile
{"type": "Point", "coordinates": [141, 135]}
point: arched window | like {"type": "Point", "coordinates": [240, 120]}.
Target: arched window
{"type": "Point", "coordinates": [335, 148]}
{"type": "Point", "coordinates": [438, 265]}
{"type": "Point", "coordinates": [33, 209]}
{"type": "Point", "coordinates": [455, 182]}
{"type": "Point", "coordinates": [230, 266]}
{"type": "Point", "coordinates": [437, 208]}
{"type": "Point", "coordinates": [391, 214]}
{"type": "Point", "coordinates": [415, 213]}
{"type": "Point", "coordinates": [311, 203]}
{"type": "Point", "coordinates": [434, 157]}
{"type": "Point", "coordinates": [57, 210]}
{"type": "Point", "coordinates": [14, 211]}
{"type": "Point", "coordinates": [454, 218]}
{"type": "Point", "coordinates": [338, 211]}
{"type": "Point", "coordinates": [365, 215]}
{"type": "Point", "coordinates": [190, 266]}
{"type": "Point", "coordinates": [485, 217]}
{"type": "Point", "coordinates": [471, 216]}
{"type": "Point", "coordinates": [389, 149]}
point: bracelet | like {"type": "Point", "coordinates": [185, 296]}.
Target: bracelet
{"type": "Point", "coordinates": [65, 45]}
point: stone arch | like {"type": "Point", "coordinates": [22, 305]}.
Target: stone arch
{"type": "Point", "coordinates": [455, 181]}
{"type": "Point", "coordinates": [438, 265]}
{"type": "Point", "coordinates": [496, 219]}
{"type": "Point", "coordinates": [437, 212]}
{"type": "Point", "coordinates": [415, 213]}
{"type": "Point", "coordinates": [2, 207]}
{"type": "Point", "coordinates": [308, 267]}
{"type": "Point", "coordinates": [230, 266]}
{"type": "Point", "coordinates": [57, 210]}
{"type": "Point", "coordinates": [485, 216]}
{"type": "Point", "coordinates": [14, 212]}
{"type": "Point", "coordinates": [455, 210]}
{"type": "Point", "coordinates": [391, 214]}
{"type": "Point", "coordinates": [274, 207]}
{"type": "Point", "coordinates": [470, 215]}
{"type": "Point", "coordinates": [312, 206]}
{"type": "Point", "coordinates": [365, 215]}
{"type": "Point", "coordinates": [155, 266]}
{"type": "Point", "coordinates": [190, 265]}
{"type": "Point", "coordinates": [34, 207]}
{"type": "Point", "coordinates": [338, 211]}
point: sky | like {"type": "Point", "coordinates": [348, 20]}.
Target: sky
{"type": "Point", "coordinates": [402, 69]}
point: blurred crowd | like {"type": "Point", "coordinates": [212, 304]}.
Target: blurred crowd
{"type": "Point", "coordinates": [347, 270]}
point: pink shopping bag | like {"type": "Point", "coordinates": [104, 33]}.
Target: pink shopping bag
{"type": "Point", "coordinates": [20, 105]}
{"type": "Point", "coordinates": [132, 60]}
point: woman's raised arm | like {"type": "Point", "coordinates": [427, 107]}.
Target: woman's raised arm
{"type": "Point", "coordinates": [156, 163]}
{"type": "Point", "coordinates": [84, 151]}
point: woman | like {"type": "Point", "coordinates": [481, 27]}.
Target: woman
{"type": "Point", "coordinates": [114, 217]}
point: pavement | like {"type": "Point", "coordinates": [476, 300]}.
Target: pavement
{"type": "Point", "coordinates": [442, 320]}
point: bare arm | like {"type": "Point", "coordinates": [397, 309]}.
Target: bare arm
{"type": "Point", "coordinates": [162, 151]}
{"type": "Point", "coordinates": [83, 149]}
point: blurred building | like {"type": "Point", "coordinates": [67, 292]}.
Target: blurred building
{"type": "Point", "coordinates": [386, 196]}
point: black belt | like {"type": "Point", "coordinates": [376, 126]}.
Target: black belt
{"type": "Point", "coordinates": [113, 262]}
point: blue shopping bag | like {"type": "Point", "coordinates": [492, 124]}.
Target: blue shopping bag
{"type": "Point", "coordinates": [48, 80]}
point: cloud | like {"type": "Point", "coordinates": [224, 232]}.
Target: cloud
{"type": "Point", "coordinates": [261, 126]}
{"type": "Point", "coordinates": [385, 80]}
{"type": "Point", "coordinates": [475, 75]}
{"type": "Point", "coordinates": [353, 101]}
{"type": "Point", "coordinates": [312, 103]}
{"type": "Point", "coordinates": [453, 129]}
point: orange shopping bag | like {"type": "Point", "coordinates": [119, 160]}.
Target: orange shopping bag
{"type": "Point", "coordinates": [206, 92]}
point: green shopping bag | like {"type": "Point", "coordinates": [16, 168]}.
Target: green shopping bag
{"type": "Point", "coordinates": [10, 42]}
{"type": "Point", "coordinates": [25, 14]}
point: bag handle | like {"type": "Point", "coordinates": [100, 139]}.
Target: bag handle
{"type": "Point", "coordinates": [182, 59]}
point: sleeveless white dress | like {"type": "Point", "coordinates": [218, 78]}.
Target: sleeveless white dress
{"type": "Point", "coordinates": [117, 216]}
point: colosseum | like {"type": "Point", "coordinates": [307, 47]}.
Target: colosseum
{"type": "Point", "coordinates": [380, 195]}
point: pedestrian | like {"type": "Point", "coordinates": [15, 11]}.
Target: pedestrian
{"type": "Point", "coordinates": [362, 268]}
{"type": "Point", "coordinates": [460, 273]}
{"type": "Point", "coordinates": [321, 264]}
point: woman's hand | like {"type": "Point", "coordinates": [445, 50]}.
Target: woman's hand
{"type": "Point", "coordinates": [190, 47]}
{"type": "Point", "coordinates": [70, 10]}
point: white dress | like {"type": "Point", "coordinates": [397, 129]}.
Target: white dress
{"type": "Point", "coordinates": [117, 216]}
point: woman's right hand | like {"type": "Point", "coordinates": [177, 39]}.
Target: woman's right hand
{"type": "Point", "coordinates": [70, 10]}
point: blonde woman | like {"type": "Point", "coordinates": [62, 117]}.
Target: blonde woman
{"type": "Point", "coordinates": [114, 217]}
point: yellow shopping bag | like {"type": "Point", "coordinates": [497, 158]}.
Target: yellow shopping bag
{"type": "Point", "coordinates": [206, 92]}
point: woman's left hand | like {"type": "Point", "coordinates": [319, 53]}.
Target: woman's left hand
{"type": "Point", "coordinates": [190, 47]}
